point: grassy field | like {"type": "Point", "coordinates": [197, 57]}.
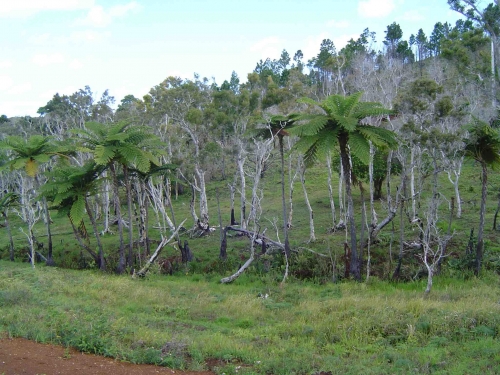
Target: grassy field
{"type": "Point", "coordinates": [256, 326]}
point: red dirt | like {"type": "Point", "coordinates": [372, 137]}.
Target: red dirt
{"type": "Point", "coordinates": [20, 356]}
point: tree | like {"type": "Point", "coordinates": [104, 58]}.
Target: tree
{"type": "Point", "coordinates": [118, 144]}
{"type": "Point", "coordinates": [28, 155]}
{"type": "Point", "coordinates": [69, 189]}
{"type": "Point", "coordinates": [489, 20]}
{"type": "Point", "coordinates": [483, 146]}
{"type": "Point", "coordinates": [276, 128]}
{"type": "Point", "coordinates": [340, 127]}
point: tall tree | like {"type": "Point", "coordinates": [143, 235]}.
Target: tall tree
{"type": "Point", "coordinates": [69, 189]}
{"type": "Point", "coordinates": [341, 127]}
{"type": "Point", "coordinates": [118, 144]}
{"type": "Point", "coordinates": [28, 154]}
{"type": "Point", "coordinates": [483, 146]}
{"type": "Point", "coordinates": [276, 128]}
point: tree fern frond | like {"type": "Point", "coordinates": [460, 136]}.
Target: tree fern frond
{"type": "Point", "coordinates": [367, 109]}
{"type": "Point", "coordinates": [308, 101]}
{"type": "Point", "coordinates": [104, 155]}
{"type": "Point", "coordinates": [118, 127]}
{"type": "Point", "coordinates": [94, 129]}
{"type": "Point", "coordinates": [359, 147]}
{"type": "Point", "coordinates": [77, 211]}
{"type": "Point", "coordinates": [381, 138]}
{"type": "Point", "coordinates": [311, 125]}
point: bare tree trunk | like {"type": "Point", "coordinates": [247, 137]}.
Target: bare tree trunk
{"type": "Point", "coordinates": [291, 181]}
{"type": "Point", "coordinates": [330, 190]}
{"type": "Point", "coordinates": [302, 169]}
{"type": "Point", "coordinates": [397, 272]}
{"type": "Point", "coordinates": [355, 266]}
{"type": "Point", "coordinates": [370, 174]}
{"type": "Point", "coordinates": [106, 203]}
{"type": "Point", "coordinates": [412, 182]}
{"type": "Point", "coordinates": [128, 189]}
{"type": "Point", "coordinates": [232, 190]}
{"type": "Point", "coordinates": [342, 212]}
{"type": "Point", "coordinates": [155, 255]}
{"type": "Point", "coordinates": [203, 197]}
{"type": "Point", "coordinates": [283, 203]}
{"type": "Point", "coordinates": [121, 251]}
{"type": "Point", "coordinates": [240, 163]}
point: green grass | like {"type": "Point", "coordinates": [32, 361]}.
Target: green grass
{"type": "Point", "coordinates": [184, 321]}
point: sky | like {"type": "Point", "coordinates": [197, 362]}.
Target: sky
{"type": "Point", "coordinates": [130, 46]}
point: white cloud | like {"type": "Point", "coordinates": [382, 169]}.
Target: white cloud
{"type": "Point", "coordinates": [13, 108]}
{"type": "Point", "coordinates": [413, 16]}
{"type": "Point", "coordinates": [76, 64]}
{"type": "Point", "coordinates": [267, 47]}
{"type": "Point", "coordinates": [121, 10]}
{"type": "Point", "coordinates": [344, 24]}
{"type": "Point", "coordinates": [341, 41]}
{"type": "Point", "coordinates": [5, 82]}
{"type": "Point", "coordinates": [87, 36]}
{"type": "Point", "coordinates": [100, 17]}
{"type": "Point", "coordinates": [312, 45]}
{"type": "Point", "coordinates": [24, 8]}
{"type": "Point", "coordinates": [20, 89]}
{"type": "Point", "coordinates": [49, 94]}
{"type": "Point", "coordinates": [44, 59]}
{"type": "Point", "coordinates": [5, 64]}
{"type": "Point", "coordinates": [375, 8]}
{"type": "Point", "coordinates": [40, 39]}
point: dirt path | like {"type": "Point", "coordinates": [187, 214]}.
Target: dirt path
{"type": "Point", "coordinates": [20, 356]}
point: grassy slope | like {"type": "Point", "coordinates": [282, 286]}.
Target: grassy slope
{"type": "Point", "coordinates": [373, 328]}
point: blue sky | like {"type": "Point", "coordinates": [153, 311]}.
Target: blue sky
{"type": "Point", "coordinates": [60, 46]}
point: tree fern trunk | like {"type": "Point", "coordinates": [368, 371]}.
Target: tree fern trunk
{"type": "Point", "coordinates": [121, 251]}
{"type": "Point", "coordinates": [480, 231]}
{"type": "Point", "coordinates": [101, 261]}
{"type": "Point", "coordinates": [346, 165]}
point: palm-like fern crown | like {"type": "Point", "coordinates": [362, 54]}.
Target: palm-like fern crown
{"type": "Point", "coordinates": [342, 120]}
{"type": "Point", "coordinates": [275, 126]}
{"type": "Point", "coordinates": [483, 144]}
{"type": "Point", "coordinates": [120, 142]}
{"type": "Point", "coordinates": [68, 186]}
{"type": "Point", "coordinates": [28, 153]}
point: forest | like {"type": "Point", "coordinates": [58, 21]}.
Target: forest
{"type": "Point", "coordinates": [388, 133]}
{"type": "Point", "coordinates": [336, 213]}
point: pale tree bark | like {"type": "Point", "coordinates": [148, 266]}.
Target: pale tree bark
{"type": "Point", "coordinates": [330, 189]}
{"type": "Point", "coordinates": [261, 153]}
{"type": "Point", "coordinates": [342, 212]}
{"type": "Point", "coordinates": [105, 203]}
{"type": "Point", "coordinates": [302, 173]}
{"type": "Point", "coordinates": [158, 192]}
{"type": "Point", "coordinates": [291, 186]}
{"type": "Point", "coordinates": [241, 158]}
{"type": "Point", "coordinates": [165, 241]}
{"type": "Point", "coordinates": [453, 172]}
